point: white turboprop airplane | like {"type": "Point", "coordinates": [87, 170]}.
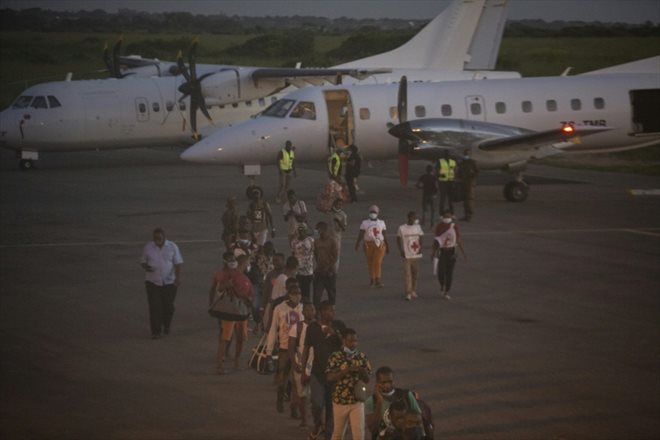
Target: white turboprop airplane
{"type": "Point", "coordinates": [143, 111]}
{"type": "Point", "coordinates": [503, 122]}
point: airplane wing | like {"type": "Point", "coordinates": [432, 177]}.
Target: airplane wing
{"type": "Point", "coordinates": [313, 76]}
{"type": "Point", "coordinates": [536, 140]}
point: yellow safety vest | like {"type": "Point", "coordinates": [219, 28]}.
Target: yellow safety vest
{"type": "Point", "coordinates": [286, 163]}
{"type": "Point", "coordinates": [446, 168]}
{"type": "Point", "coordinates": [334, 167]}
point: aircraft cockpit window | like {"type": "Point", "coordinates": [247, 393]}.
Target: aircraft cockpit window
{"type": "Point", "coordinates": [53, 102]}
{"type": "Point", "coordinates": [279, 109]}
{"type": "Point", "coordinates": [39, 102]}
{"type": "Point", "coordinates": [304, 110]}
{"type": "Point", "coordinates": [22, 101]}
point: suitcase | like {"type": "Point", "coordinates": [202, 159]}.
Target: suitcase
{"type": "Point", "coordinates": [258, 360]}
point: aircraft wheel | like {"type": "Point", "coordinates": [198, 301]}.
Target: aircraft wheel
{"type": "Point", "coordinates": [26, 164]}
{"type": "Point", "coordinates": [516, 191]}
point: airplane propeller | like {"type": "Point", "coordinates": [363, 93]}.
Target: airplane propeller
{"type": "Point", "coordinates": [404, 146]}
{"type": "Point", "coordinates": [193, 87]}
{"type": "Point", "coordinates": [112, 62]}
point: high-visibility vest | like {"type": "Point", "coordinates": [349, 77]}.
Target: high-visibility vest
{"type": "Point", "coordinates": [446, 169]}
{"type": "Point", "coordinates": [334, 164]}
{"type": "Point", "coordinates": [286, 163]}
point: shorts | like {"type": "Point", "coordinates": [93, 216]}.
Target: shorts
{"type": "Point", "coordinates": [301, 390]}
{"type": "Point", "coordinates": [228, 327]}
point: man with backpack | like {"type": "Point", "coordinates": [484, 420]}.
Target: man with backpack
{"type": "Point", "coordinates": [377, 406]}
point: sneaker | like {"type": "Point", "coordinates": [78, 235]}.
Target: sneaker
{"type": "Point", "coordinates": [408, 297]}
{"type": "Point", "coordinates": [414, 295]}
{"type": "Point", "coordinates": [447, 297]}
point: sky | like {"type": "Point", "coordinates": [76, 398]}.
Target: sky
{"type": "Point", "coordinates": [627, 11]}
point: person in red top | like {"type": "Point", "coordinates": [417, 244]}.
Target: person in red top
{"type": "Point", "coordinates": [447, 238]}
{"type": "Point", "coordinates": [232, 275]}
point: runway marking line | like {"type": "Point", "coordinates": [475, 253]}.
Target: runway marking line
{"type": "Point", "coordinates": [653, 232]}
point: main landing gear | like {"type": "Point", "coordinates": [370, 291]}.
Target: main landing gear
{"type": "Point", "coordinates": [516, 191]}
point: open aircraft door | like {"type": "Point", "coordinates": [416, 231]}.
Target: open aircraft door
{"type": "Point", "coordinates": [340, 118]}
{"type": "Point", "coordinates": [644, 109]}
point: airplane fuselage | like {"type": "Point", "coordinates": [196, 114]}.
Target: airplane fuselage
{"type": "Point", "coordinates": [534, 104]}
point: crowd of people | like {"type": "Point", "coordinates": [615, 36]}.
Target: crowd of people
{"type": "Point", "coordinates": [290, 295]}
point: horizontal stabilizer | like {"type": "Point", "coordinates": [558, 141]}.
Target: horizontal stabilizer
{"type": "Point", "coordinates": [532, 141]}
{"type": "Point", "coordinates": [647, 65]}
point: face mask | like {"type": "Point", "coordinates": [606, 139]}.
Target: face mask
{"type": "Point", "coordinates": [446, 220]}
{"type": "Point", "coordinates": [416, 222]}
{"type": "Point", "coordinates": [244, 242]}
{"type": "Point", "coordinates": [350, 352]}
{"type": "Point", "coordinates": [467, 156]}
{"type": "Point", "coordinates": [373, 215]}
{"type": "Point", "coordinates": [388, 394]}
{"type": "Point", "coordinates": [414, 433]}
{"type": "Point", "coordinates": [247, 269]}
{"type": "Point", "coordinates": [232, 264]}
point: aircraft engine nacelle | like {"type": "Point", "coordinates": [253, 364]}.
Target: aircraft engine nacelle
{"type": "Point", "coordinates": [222, 87]}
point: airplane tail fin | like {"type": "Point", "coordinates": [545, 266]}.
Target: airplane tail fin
{"type": "Point", "coordinates": [647, 65]}
{"type": "Point", "coordinates": [466, 35]}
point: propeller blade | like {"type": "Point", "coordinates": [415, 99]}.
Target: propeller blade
{"type": "Point", "coordinates": [116, 71]}
{"type": "Point", "coordinates": [402, 100]}
{"type": "Point", "coordinates": [107, 60]}
{"type": "Point", "coordinates": [182, 67]}
{"type": "Point", "coordinates": [192, 56]}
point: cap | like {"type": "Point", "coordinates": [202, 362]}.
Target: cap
{"type": "Point", "coordinates": [374, 208]}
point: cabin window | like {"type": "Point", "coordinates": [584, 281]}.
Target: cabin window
{"type": "Point", "coordinates": [280, 108]}
{"type": "Point", "coordinates": [156, 107]}
{"type": "Point", "coordinates": [273, 99]}
{"type": "Point", "coordinates": [394, 112]}
{"type": "Point", "coordinates": [527, 106]}
{"type": "Point", "coordinates": [248, 103]}
{"type": "Point", "coordinates": [169, 105]}
{"type": "Point", "coordinates": [39, 102]}
{"type": "Point", "coordinates": [182, 105]}
{"type": "Point", "coordinates": [142, 107]}
{"type": "Point", "coordinates": [446, 110]}
{"type": "Point", "coordinates": [599, 103]}
{"type": "Point", "coordinates": [420, 111]}
{"type": "Point", "coordinates": [262, 102]}
{"type": "Point", "coordinates": [551, 105]}
{"type": "Point", "coordinates": [304, 110]}
{"type": "Point", "coordinates": [475, 108]}
{"type": "Point", "coordinates": [500, 107]}
{"type": "Point", "coordinates": [365, 114]}
{"type": "Point", "coordinates": [53, 102]}
{"type": "Point", "coordinates": [22, 101]}
{"type": "Point", "coordinates": [235, 105]}
{"type": "Point", "coordinates": [576, 104]}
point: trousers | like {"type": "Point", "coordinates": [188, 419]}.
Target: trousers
{"type": "Point", "coordinates": [410, 274]}
{"type": "Point", "coordinates": [345, 413]}
{"type": "Point", "coordinates": [375, 256]}
{"type": "Point", "coordinates": [161, 306]}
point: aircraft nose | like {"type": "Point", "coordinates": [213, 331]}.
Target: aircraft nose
{"type": "Point", "coordinates": [202, 151]}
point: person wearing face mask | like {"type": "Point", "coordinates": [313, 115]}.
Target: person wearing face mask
{"type": "Point", "coordinates": [231, 277]}
{"type": "Point", "coordinates": [377, 407]}
{"type": "Point", "coordinates": [346, 367]}
{"type": "Point", "coordinates": [447, 238]}
{"type": "Point", "coordinates": [339, 222]}
{"type": "Point", "coordinates": [372, 231]}
{"type": "Point", "coordinates": [409, 240]}
{"type": "Point", "coordinates": [467, 173]}
{"type": "Point", "coordinates": [161, 261]}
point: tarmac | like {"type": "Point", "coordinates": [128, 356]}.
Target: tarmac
{"type": "Point", "coordinates": [552, 332]}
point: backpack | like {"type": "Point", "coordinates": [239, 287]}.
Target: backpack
{"type": "Point", "coordinates": [427, 416]}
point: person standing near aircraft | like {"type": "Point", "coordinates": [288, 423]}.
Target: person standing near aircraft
{"type": "Point", "coordinates": [334, 165]}
{"type": "Point", "coordinates": [230, 222]}
{"type": "Point", "coordinates": [467, 173]}
{"type": "Point", "coordinates": [428, 183]}
{"type": "Point", "coordinates": [372, 231]}
{"type": "Point", "coordinates": [325, 259]}
{"type": "Point", "coordinates": [295, 214]}
{"type": "Point", "coordinates": [161, 261]}
{"type": "Point", "coordinates": [302, 247]}
{"type": "Point", "coordinates": [353, 165]}
{"type": "Point", "coordinates": [409, 240]}
{"type": "Point", "coordinates": [285, 163]}
{"type": "Point", "coordinates": [447, 238]}
{"type": "Point", "coordinates": [261, 217]}
{"type": "Point", "coordinates": [446, 175]}
{"type": "Point", "coordinates": [339, 222]}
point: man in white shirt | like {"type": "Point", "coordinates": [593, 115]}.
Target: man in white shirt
{"type": "Point", "coordinates": [161, 261]}
{"type": "Point", "coordinates": [409, 239]}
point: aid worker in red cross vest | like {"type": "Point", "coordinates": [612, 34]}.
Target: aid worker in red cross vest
{"type": "Point", "coordinates": [447, 239]}
{"type": "Point", "coordinates": [372, 231]}
{"type": "Point", "coordinates": [409, 239]}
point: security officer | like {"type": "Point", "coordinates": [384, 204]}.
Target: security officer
{"type": "Point", "coordinates": [446, 174]}
{"type": "Point", "coordinates": [334, 164]}
{"type": "Point", "coordinates": [285, 161]}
